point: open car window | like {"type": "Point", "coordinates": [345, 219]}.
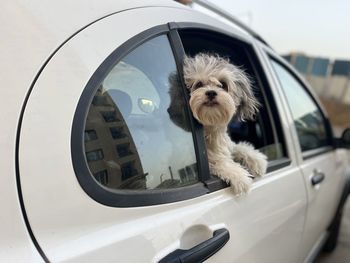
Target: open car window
{"type": "Point", "coordinates": [264, 132]}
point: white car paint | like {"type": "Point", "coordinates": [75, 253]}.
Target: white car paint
{"type": "Point", "coordinates": [323, 196]}
{"type": "Point", "coordinates": [70, 226]}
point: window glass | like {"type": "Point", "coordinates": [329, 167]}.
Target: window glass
{"type": "Point", "coordinates": [130, 140]}
{"type": "Point", "coordinates": [308, 119]}
{"type": "Point", "coordinates": [263, 132]}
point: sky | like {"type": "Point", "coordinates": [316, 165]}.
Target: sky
{"type": "Point", "coordinates": [314, 27]}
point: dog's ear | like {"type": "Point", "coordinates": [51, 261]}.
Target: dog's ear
{"type": "Point", "coordinates": [249, 105]}
{"type": "Point", "coordinates": [176, 109]}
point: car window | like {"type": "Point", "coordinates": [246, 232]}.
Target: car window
{"type": "Point", "coordinates": [308, 119]}
{"type": "Point", "coordinates": [264, 132]}
{"type": "Point", "coordinates": [130, 140]}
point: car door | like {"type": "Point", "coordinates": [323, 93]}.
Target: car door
{"type": "Point", "coordinates": [316, 154]}
{"type": "Point", "coordinates": [108, 173]}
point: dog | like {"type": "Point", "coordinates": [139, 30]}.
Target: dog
{"type": "Point", "coordinates": [220, 91]}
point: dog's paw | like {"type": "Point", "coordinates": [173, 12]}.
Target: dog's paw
{"type": "Point", "coordinates": [242, 184]}
{"type": "Point", "coordinates": [232, 173]}
{"type": "Point", "coordinates": [258, 165]}
{"type": "Point", "coordinates": [255, 163]}
{"type": "Point", "coordinates": [251, 159]}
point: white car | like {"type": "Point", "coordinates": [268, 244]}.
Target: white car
{"type": "Point", "coordinates": [95, 168]}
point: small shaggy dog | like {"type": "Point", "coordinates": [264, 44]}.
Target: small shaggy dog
{"type": "Point", "coordinates": [219, 91]}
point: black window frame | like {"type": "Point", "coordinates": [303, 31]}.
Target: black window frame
{"type": "Point", "coordinates": [132, 198]}
{"type": "Point", "coordinates": [135, 198]}
{"type": "Point", "coordinates": [329, 132]}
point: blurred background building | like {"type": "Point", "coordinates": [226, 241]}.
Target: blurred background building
{"type": "Point", "coordinates": [329, 78]}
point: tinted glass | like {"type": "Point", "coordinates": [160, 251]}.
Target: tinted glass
{"type": "Point", "coordinates": [135, 144]}
{"type": "Point", "coordinates": [307, 117]}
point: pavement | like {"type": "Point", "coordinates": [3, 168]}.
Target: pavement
{"type": "Point", "coordinates": [342, 253]}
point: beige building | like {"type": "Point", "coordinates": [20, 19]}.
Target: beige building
{"type": "Point", "coordinates": [329, 78]}
{"type": "Point", "coordinates": [110, 150]}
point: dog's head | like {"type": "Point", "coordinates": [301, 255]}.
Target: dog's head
{"type": "Point", "coordinates": [218, 89]}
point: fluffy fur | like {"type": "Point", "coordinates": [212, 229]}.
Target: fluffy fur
{"type": "Point", "coordinates": [219, 91]}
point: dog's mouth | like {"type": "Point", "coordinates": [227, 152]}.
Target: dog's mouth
{"type": "Point", "coordinates": [210, 103]}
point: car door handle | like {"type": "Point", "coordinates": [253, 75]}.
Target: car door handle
{"type": "Point", "coordinates": [317, 177]}
{"type": "Point", "coordinates": [200, 252]}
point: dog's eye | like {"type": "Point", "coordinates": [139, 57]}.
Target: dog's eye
{"type": "Point", "coordinates": [224, 85]}
{"type": "Point", "coordinates": [198, 85]}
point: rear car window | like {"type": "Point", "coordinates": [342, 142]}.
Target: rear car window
{"type": "Point", "coordinates": [130, 140]}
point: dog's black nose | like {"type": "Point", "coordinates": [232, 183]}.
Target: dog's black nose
{"type": "Point", "coordinates": [211, 94]}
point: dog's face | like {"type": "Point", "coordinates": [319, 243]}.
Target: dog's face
{"type": "Point", "coordinates": [218, 90]}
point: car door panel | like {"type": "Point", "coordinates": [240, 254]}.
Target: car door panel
{"type": "Point", "coordinates": [270, 214]}
{"type": "Point", "coordinates": [322, 198]}
{"type": "Point", "coordinates": [315, 161]}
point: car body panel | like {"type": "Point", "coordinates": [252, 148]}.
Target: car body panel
{"type": "Point", "coordinates": [321, 197]}
{"type": "Point", "coordinates": [332, 163]}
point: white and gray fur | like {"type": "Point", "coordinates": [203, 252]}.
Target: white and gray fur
{"type": "Point", "coordinates": [220, 91]}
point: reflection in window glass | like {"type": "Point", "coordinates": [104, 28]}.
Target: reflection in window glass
{"type": "Point", "coordinates": [133, 116]}
{"type": "Point", "coordinates": [102, 177]}
{"type": "Point", "coordinates": [90, 136]}
{"type": "Point", "coordinates": [94, 155]}
{"type": "Point", "coordinates": [308, 119]}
